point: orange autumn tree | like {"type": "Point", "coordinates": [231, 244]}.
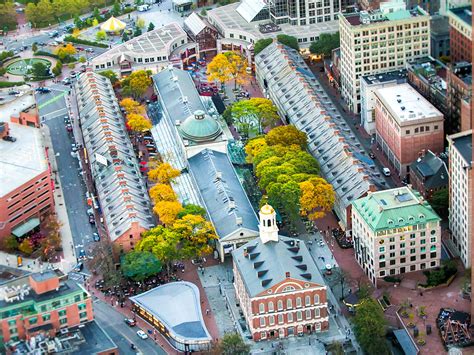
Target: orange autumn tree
{"type": "Point", "coordinates": [317, 198]}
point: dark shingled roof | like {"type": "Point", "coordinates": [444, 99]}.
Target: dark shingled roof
{"type": "Point", "coordinates": [268, 264]}
{"type": "Point", "coordinates": [431, 169]}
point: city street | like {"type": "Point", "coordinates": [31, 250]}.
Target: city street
{"type": "Point", "coordinates": [113, 323]}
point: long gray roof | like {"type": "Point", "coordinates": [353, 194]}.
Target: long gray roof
{"type": "Point", "coordinates": [177, 305]}
{"type": "Point", "coordinates": [298, 95]}
{"type": "Point", "coordinates": [120, 187]}
{"type": "Point", "coordinates": [222, 193]}
{"type": "Point", "coordinates": [267, 264]}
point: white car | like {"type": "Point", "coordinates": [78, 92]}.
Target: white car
{"type": "Point", "coordinates": [142, 334]}
{"type": "Point", "coordinates": [386, 171]}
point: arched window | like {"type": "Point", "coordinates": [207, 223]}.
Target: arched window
{"type": "Point", "coordinates": [289, 303]}
{"type": "Point", "coordinates": [316, 299]}
{"type": "Point", "coordinates": [280, 305]}
{"type": "Point", "coordinates": [307, 300]}
{"type": "Point", "coordinates": [261, 308]}
{"type": "Point", "coordinates": [298, 302]}
{"type": "Point", "coordinates": [270, 306]}
{"type": "Point", "coordinates": [288, 289]}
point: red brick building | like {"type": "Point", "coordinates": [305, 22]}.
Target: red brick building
{"type": "Point", "coordinates": [280, 289]}
{"type": "Point", "coordinates": [26, 188]}
{"type": "Point", "coordinates": [460, 32]}
{"type": "Point", "coordinates": [406, 124]}
{"type": "Point", "coordinates": [203, 33]}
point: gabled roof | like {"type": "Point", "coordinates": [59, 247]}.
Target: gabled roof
{"type": "Point", "coordinates": [195, 23]}
{"type": "Point", "coordinates": [224, 197]}
{"type": "Point", "coordinates": [120, 188]}
{"type": "Point", "coordinates": [395, 208]}
{"type": "Point", "coordinates": [432, 169]}
{"type": "Point", "coordinates": [266, 265]}
{"type": "Point", "coordinates": [248, 9]}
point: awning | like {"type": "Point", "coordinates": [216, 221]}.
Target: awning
{"type": "Point", "coordinates": [405, 342]}
{"type": "Point", "coordinates": [24, 228]}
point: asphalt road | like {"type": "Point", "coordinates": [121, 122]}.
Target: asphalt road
{"type": "Point", "coordinates": [52, 108]}
{"type": "Point", "coordinates": [122, 334]}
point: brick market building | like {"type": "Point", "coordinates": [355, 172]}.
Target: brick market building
{"type": "Point", "coordinates": [201, 32]}
{"type": "Point", "coordinates": [278, 285]}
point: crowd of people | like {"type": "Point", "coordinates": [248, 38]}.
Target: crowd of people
{"type": "Point", "coordinates": [342, 238]}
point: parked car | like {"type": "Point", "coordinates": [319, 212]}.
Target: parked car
{"type": "Point", "coordinates": [130, 322]}
{"type": "Point", "coordinates": [142, 334]}
{"type": "Point", "coordinates": [89, 50]}
{"type": "Point", "coordinates": [43, 90]}
{"type": "Point", "coordinates": [82, 254]}
{"type": "Point", "coordinates": [91, 219]}
{"type": "Point", "coordinates": [13, 92]}
{"type": "Point", "coordinates": [372, 155]}
{"type": "Point", "coordinates": [9, 139]}
{"type": "Point", "coordinates": [386, 171]}
{"type": "Point", "coordinates": [96, 237]}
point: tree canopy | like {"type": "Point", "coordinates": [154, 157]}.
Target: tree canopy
{"type": "Point", "coordinates": [325, 44]}
{"type": "Point", "coordinates": [7, 15]}
{"type": "Point", "coordinates": [370, 328]}
{"type": "Point", "coordinates": [192, 209]}
{"type": "Point", "coordinates": [228, 66]}
{"type": "Point", "coordinates": [65, 51]}
{"type": "Point", "coordinates": [139, 265]}
{"type": "Point", "coordinates": [137, 83]}
{"type": "Point", "coordinates": [233, 344]}
{"type": "Point", "coordinates": [258, 113]}
{"type": "Point", "coordinates": [138, 123]}
{"type": "Point", "coordinates": [289, 41]}
{"type": "Point", "coordinates": [111, 75]}
{"type": "Point", "coordinates": [439, 200]}
{"type": "Point", "coordinates": [261, 44]}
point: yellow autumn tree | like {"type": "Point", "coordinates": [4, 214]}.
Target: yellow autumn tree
{"type": "Point", "coordinates": [196, 234]}
{"type": "Point", "coordinates": [254, 147]}
{"type": "Point", "coordinates": [131, 106]}
{"type": "Point", "coordinates": [162, 192]}
{"type": "Point", "coordinates": [219, 69]}
{"type": "Point", "coordinates": [64, 51]}
{"type": "Point", "coordinates": [238, 67]}
{"type": "Point", "coordinates": [163, 173]}
{"type": "Point", "coordinates": [317, 198]}
{"type": "Point", "coordinates": [167, 211]}
{"type": "Point", "coordinates": [138, 123]}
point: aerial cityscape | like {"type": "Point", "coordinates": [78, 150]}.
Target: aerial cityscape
{"type": "Point", "coordinates": [236, 177]}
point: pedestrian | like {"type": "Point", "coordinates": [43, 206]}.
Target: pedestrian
{"type": "Point", "coordinates": [207, 311]}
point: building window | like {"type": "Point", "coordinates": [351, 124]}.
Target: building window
{"type": "Point", "coordinates": [381, 249]}
{"type": "Point", "coordinates": [289, 304]}
{"type": "Point", "coordinates": [280, 319]}
{"type": "Point", "coordinates": [280, 305]}
{"type": "Point", "coordinates": [290, 317]}
{"type": "Point", "coordinates": [316, 299]}
{"type": "Point", "coordinates": [12, 322]}
{"type": "Point", "coordinates": [308, 314]}
{"type": "Point", "coordinates": [263, 335]}
{"type": "Point", "coordinates": [299, 316]}
{"type": "Point", "coordinates": [83, 315]}
{"type": "Point", "coordinates": [77, 298]}
{"type": "Point", "coordinates": [262, 321]}
{"type": "Point", "coordinates": [270, 307]}
{"type": "Point", "coordinates": [271, 320]}
{"type": "Point", "coordinates": [307, 300]}
{"type": "Point", "coordinates": [316, 312]}
{"type": "Point", "coordinates": [433, 240]}
{"type": "Point", "coordinates": [298, 302]}
{"type": "Point", "coordinates": [82, 306]}
{"type": "Point", "coordinates": [62, 313]}
{"type": "Point", "coordinates": [382, 273]}
{"type": "Point", "coordinates": [46, 317]}
{"type": "Point", "coordinates": [33, 320]}
{"type": "Point", "coordinates": [261, 308]}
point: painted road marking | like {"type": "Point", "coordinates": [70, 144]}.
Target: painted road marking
{"type": "Point", "coordinates": [50, 101]}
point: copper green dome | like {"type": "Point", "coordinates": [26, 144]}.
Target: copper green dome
{"type": "Point", "coordinates": [199, 127]}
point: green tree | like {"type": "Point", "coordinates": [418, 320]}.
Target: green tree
{"type": "Point", "coordinates": [370, 328]}
{"type": "Point", "coordinates": [58, 68]}
{"type": "Point", "coordinates": [7, 15]}
{"type": "Point", "coordinates": [25, 247]}
{"type": "Point", "coordinates": [110, 74]}
{"type": "Point", "coordinates": [325, 44]}
{"type": "Point", "coordinates": [261, 44]}
{"type": "Point", "coordinates": [440, 202]}
{"type": "Point", "coordinates": [139, 265]}
{"type": "Point", "coordinates": [10, 243]}
{"type": "Point", "coordinates": [140, 23]}
{"type": "Point", "coordinates": [125, 37]}
{"type": "Point", "coordinates": [101, 35]}
{"type": "Point", "coordinates": [256, 113]}
{"type": "Point", "coordinates": [39, 70]}
{"type": "Point", "coordinates": [233, 344]}
{"type": "Point", "coordinates": [151, 27]}
{"type": "Point", "coordinates": [34, 47]}
{"type": "Point", "coordinates": [289, 41]}
{"type": "Point", "coordinates": [192, 209]}
{"type": "Point", "coordinates": [82, 59]}
{"type": "Point", "coordinates": [3, 71]}
{"type": "Point", "coordinates": [116, 9]}
{"type": "Point", "coordinates": [41, 14]}
{"type": "Point", "coordinates": [335, 348]}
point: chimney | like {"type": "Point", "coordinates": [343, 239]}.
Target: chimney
{"type": "Point", "coordinates": [287, 274]}
{"type": "Point", "coordinates": [246, 253]}
{"type": "Point", "coordinates": [239, 221]}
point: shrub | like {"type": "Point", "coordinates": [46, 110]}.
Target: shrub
{"type": "Point", "coordinates": [84, 41]}
{"type": "Point", "coordinates": [440, 275]}
{"type": "Point", "coordinates": [9, 84]}
{"type": "Point", "coordinates": [391, 279]}
{"type": "Point", "coordinates": [10, 243]}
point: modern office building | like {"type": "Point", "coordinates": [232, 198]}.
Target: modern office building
{"type": "Point", "coordinates": [429, 173]}
{"type": "Point", "coordinates": [406, 124]}
{"type": "Point", "coordinates": [460, 33]}
{"type": "Point", "coordinates": [154, 50]}
{"type": "Point", "coordinates": [460, 191]}
{"type": "Point", "coordinates": [174, 310]}
{"type": "Point", "coordinates": [119, 185]}
{"type": "Point", "coordinates": [26, 187]}
{"type": "Point", "coordinates": [279, 287]}
{"type": "Point", "coordinates": [439, 36]}
{"type": "Point", "coordinates": [379, 41]}
{"type": "Point", "coordinates": [395, 231]}
{"type": "Point", "coordinates": [368, 85]}
{"type": "Point", "coordinates": [42, 303]}
{"type": "Point", "coordinates": [286, 79]}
